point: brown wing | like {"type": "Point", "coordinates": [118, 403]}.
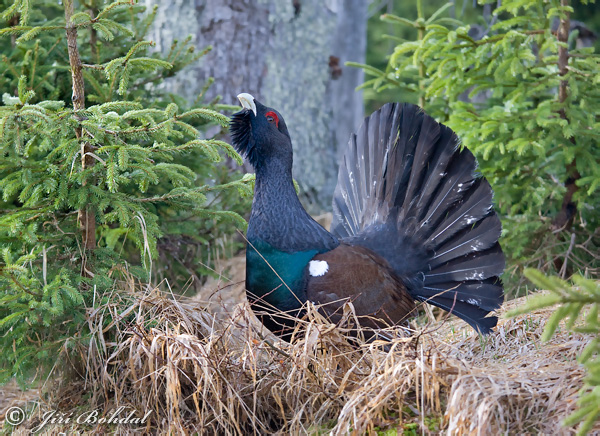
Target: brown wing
{"type": "Point", "coordinates": [361, 276]}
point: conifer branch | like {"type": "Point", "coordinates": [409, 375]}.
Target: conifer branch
{"type": "Point", "coordinates": [21, 287]}
{"type": "Point", "coordinates": [93, 67]}
{"type": "Point", "coordinates": [503, 35]}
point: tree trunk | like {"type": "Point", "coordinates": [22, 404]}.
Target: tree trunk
{"type": "Point", "coordinates": [568, 210]}
{"type": "Point", "coordinates": [290, 55]}
{"type": "Point", "coordinates": [86, 215]}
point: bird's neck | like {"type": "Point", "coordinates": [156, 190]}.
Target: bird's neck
{"type": "Point", "coordinates": [275, 196]}
{"type": "Point", "coordinates": [278, 217]}
{"type": "Point", "coordinates": [275, 176]}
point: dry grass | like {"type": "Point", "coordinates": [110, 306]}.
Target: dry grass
{"type": "Point", "coordinates": [218, 372]}
{"type": "Point", "coordinates": [511, 382]}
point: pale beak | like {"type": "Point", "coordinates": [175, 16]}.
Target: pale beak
{"type": "Point", "coordinates": [247, 102]}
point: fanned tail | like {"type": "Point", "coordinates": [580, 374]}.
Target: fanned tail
{"type": "Point", "coordinates": [406, 191]}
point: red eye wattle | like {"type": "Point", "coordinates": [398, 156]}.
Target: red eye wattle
{"type": "Point", "coordinates": [272, 118]}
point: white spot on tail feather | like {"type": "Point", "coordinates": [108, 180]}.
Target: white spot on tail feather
{"type": "Point", "coordinates": [470, 219]}
{"type": "Point", "coordinates": [317, 268]}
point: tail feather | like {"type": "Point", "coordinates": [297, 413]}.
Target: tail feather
{"type": "Point", "coordinates": [481, 293]}
{"type": "Point", "coordinates": [478, 265]}
{"type": "Point", "coordinates": [355, 203]}
{"type": "Point", "coordinates": [466, 211]}
{"type": "Point", "coordinates": [448, 143]}
{"type": "Point", "coordinates": [429, 135]}
{"type": "Point", "coordinates": [408, 192]}
{"type": "Point", "coordinates": [453, 183]}
{"type": "Point", "coordinates": [481, 236]}
{"type": "Point", "coordinates": [404, 152]}
{"type": "Point", "coordinates": [473, 315]}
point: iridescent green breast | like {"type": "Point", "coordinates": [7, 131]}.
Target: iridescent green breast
{"type": "Point", "coordinates": [278, 277]}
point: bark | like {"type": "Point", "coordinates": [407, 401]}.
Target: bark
{"type": "Point", "coordinates": [86, 216]}
{"type": "Point", "coordinates": [290, 55]}
{"type": "Point", "coordinates": [93, 11]}
{"type": "Point", "coordinates": [565, 217]}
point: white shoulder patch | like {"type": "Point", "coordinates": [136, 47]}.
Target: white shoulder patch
{"type": "Point", "coordinates": [317, 268]}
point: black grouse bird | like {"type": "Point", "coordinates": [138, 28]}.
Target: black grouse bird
{"type": "Point", "coordinates": [411, 222]}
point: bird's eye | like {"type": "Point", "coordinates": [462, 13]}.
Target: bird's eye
{"type": "Point", "coordinates": [272, 118]}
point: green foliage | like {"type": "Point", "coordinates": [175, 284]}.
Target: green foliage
{"type": "Point", "coordinates": [149, 175]}
{"type": "Point", "coordinates": [579, 303]}
{"type": "Point", "coordinates": [500, 95]}
{"type": "Point", "coordinates": [384, 34]}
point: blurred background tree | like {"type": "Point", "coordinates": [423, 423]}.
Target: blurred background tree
{"type": "Point", "coordinates": [291, 56]}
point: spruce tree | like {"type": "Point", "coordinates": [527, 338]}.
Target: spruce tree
{"type": "Point", "coordinates": [96, 166]}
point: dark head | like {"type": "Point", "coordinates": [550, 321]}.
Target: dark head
{"type": "Point", "coordinates": [259, 134]}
